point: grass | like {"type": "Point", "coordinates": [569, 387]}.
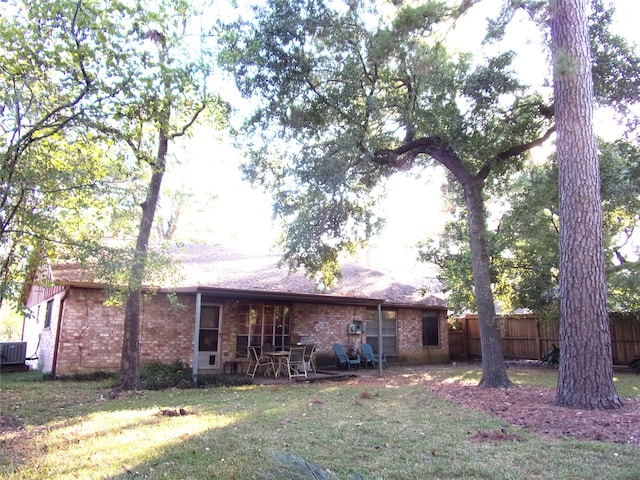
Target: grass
{"type": "Point", "coordinates": [72, 430]}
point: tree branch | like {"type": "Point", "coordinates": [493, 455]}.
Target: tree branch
{"type": "Point", "coordinates": [188, 125]}
{"type": "Point", "coordinates": [403, 156]}
{"type": "Point", "coordinates": [501, 157]}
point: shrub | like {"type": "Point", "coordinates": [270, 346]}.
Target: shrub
{"type": "Point", "coordinates": [287, 466]}
{"type": "Point", "coordinates": [158, 376]}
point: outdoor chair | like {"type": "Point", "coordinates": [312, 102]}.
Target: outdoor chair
{"type": "Point", "coordinates": [259, 362]}
{"type": "Point", "coordinates": [367, 356]}
{"type": "Point", "coordinates": [309, 357]}
{"type": "Point", "coordinates": [343, 358]}
{"type": "Point", "coordinates": [372, 358]}
{"type": "Point", "coordinates": [295, 363]}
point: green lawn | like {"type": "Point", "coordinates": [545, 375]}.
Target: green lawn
{"type": "Point", "coordinates": [72, 430]}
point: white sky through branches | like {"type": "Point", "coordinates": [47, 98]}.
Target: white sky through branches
{"type": "Point", "coordinates": [241, 215]}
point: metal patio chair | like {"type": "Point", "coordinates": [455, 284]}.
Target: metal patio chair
{"type": "Point", "coordinates": [309, 357]}
{"type": "Point", "coordinates": [259, 362]}
{"type": "Point", "coordinates": [295, 363]}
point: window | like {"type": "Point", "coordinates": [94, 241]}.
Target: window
{"type": "Point", "coordinates": [262, 324]}
{"type": "Point", "coordinates": [389, 331]}
{"type": "Point", "coordinates": [49, 314]}
{"type": "Point", "coordinates": [430, 330]}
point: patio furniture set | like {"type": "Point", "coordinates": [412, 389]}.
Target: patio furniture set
{"type": "Point", "coordinates": [294, 361]}
{"type": "Point", "coordinates": [297, 361]}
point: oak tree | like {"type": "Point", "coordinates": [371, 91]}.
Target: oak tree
{"type": "Point", "coordinates": [347, 94]}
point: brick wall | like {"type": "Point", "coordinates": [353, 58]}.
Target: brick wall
{"type": "Point", "coordinates": [410, 338]}
{"type": "Point", "coordinates": [91, 332]}
{"type": "Point", "coordinates": [324, 325]}
{"type": "Point", "coordinates": [91, 335]}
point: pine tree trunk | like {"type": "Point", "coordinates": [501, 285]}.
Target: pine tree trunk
{"type": "Point", "coordinates": [586, 368]}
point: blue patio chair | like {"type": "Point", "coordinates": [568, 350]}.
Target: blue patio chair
{"type": "Point", "coordinates": [343, 358]}
{"type": "Point", "coordinates": [372, 358]}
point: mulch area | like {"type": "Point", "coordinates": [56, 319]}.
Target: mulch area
{"type": "Point", "coordinates": [528, 407]}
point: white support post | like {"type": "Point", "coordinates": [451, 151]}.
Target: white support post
{"type": "Point", "coordinates": [196, 339]}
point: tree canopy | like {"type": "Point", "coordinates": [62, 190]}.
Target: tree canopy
{"type": "Point", "coordinates": [80, 89]}
{"type": "Point", "coordinates": [61, 181]}
{"type": "Point", "coordinates": [357, 93]}
{"type": "Point", "coordinates": [524, 241]}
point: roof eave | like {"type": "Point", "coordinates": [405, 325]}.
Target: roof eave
{"type": "Point", "coordinates": [288, 296]}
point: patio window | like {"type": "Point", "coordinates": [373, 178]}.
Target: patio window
{"type": "Point", "coordinates": [389, 331]}
{"type": "Point", "coordinates": [430, 330]}
{"type": "Point", "coordinates": [262, 324]}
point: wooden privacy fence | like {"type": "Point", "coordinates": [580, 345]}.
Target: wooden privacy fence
{"type": "Point", "coordinates": [526, 337]}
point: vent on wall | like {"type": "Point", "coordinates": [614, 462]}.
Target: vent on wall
{"type": "Point", "coordinates": [13, 353]}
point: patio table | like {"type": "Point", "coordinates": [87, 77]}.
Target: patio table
{"type": "Point", "coordinates": [278, 361]}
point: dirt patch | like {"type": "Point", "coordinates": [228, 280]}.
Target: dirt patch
{"type": "Point", "coordinates": [528, 407]}
{"type": "Point", "coordinates": [9, 424]}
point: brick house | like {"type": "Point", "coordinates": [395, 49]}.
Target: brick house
{"type": "Point", "coordinates": [226, 302]}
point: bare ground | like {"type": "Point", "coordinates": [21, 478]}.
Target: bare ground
{"type": "Point", "coordinates": [528, 407]}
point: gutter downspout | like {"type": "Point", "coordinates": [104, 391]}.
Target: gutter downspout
{"type": "Point", "coordinates": [56, 345]}
{"type": "Point", "coordinates": [196, 339]}
{"type": "Point", "coordinates": [380, 352]}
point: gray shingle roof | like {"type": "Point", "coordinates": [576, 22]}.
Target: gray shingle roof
{"type": "Point", "coordinates": [220, 267]}
{"type": "Point", "coordinates": [206, 266]}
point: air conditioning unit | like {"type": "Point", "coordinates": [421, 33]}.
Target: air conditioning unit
{"type": "Point", "coordinates": [13, 353]}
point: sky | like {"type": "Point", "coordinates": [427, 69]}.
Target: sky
{"type": "Point", "coordinates": [241, 215]}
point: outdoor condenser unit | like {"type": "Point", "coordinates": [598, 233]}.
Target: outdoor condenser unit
{"type": "Point", "coordinates": [13, 353]}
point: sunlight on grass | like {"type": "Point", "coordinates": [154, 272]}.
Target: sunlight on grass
{"type": "Point", "coordinates": [467, 377]}
{"type": "Point", "coordinates": [386, 429]}
{"type": "Point", "coordinates": [417, 378]}
{"type": "Point", "coordinates": [627, 386]}
{"type": "Point", "coordinates": [117, 439]}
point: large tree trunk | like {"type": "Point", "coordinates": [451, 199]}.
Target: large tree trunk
{"type": "Point", "coordinates": [586, 368]}
{"type": "Point", "coordinates": [130, 360]}
{"type": "Point", "coordinates": [494, 371]}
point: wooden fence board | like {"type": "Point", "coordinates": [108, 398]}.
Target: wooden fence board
{"type": "Point", "coordinates": [527, 338]}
